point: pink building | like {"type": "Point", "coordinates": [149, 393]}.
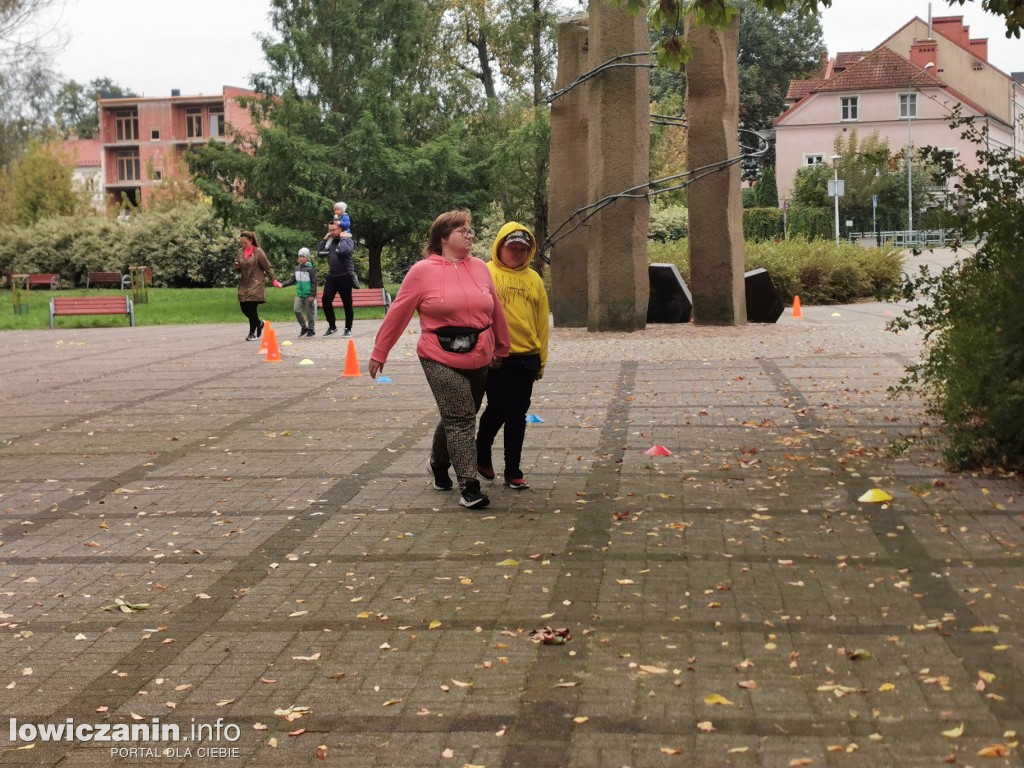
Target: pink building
{"type": "Point", "coordinates": [144, 139]}
{"type": "Point", "coordinates": [905, 90]}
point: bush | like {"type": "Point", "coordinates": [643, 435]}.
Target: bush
{"type": "Point", "coordinates": [972, 370]}
{"type": "Point", "coordinates": [669, 223]}
{"type": "Point", "coordinates": [811, 223]}
{"type": "Point", "coordinates": [186, 246]}
{"type": "Point", "coordinates": [818, 271]}
{"type": "Point", "coordinates": [762, 224]}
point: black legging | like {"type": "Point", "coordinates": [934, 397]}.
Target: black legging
{"type": "Point", "coordinates": [509, 389]}
{"type": "Point", "coordinates": [251, 309]}
{"type": "Point", "coordinates": [333, 286]}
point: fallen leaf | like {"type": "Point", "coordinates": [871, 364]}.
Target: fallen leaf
{"type": "Point", "coordinates": [299, 732]}
{"type": "Point", "coordinates": [580, 720]}
{"type": "Point", "coordinates": [954, 733]}
{"type": "Point", "coordinates": [716, 698]}
{"type": "Point", "coordinates": [749, 685]}
{"type": "Point", "coordinates": [994, 750]}
{"type": "Point", "coordinates": [272, 743]}
{"type": "Point", "coordinates": [462, 684]}
{"type": "Point", "coordinates": [737, 750]}
{"type": "Point", "coordinates": [434, 624]}
{"type": "Point", "coordinates": [314, 657]}
{"type": "Point", "coordinates": [447, 753]}
{"type": "Point", "coordinates": [990, 628]}
{"type": "Point", "coordinates": [671, 751]}
{"type": "Point", "coordinates": [321, 752]}
{"type": "Point", "coordinates": [508, 562]}
{"type": "Point", "coordinates": [705, 726]}
{"type": "Point", "coordinates": [800, 761]}
{"type": "Point", "coordinates": [391, 702]}
{"type": "Point", "coordinates": [653, 670]}
{"type": "Point", "coordinates": [886, 687]}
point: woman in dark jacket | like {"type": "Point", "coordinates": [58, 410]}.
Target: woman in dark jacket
{"type": "Point", "coordinates": [252, 262]}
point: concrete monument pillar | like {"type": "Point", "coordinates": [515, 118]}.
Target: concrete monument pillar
{"type": "Point", "coordinates": [567, 180]}
{"type": "Point", "coordinates": [619, 141]}
{"type": "Point", "coordinates": [716, 228]}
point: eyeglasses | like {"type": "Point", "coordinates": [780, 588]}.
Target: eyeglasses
{"type": "Point", "coordinates": [466, 231]}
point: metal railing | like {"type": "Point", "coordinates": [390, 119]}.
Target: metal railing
{"type": "Point", "coordinates": [917, 238]}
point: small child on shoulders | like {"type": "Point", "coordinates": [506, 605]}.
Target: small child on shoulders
{"type": "Point", "coordinates": [341, 216]}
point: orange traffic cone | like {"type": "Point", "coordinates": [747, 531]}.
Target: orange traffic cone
{"type": "Point", "coordinates": [796, 307]}
{"type": "Point", "coordinates": [273, 351]}
{"type": "Point", "coordinates": [351, 363]}
{"type": "Point", "coordinates": [266, 336]}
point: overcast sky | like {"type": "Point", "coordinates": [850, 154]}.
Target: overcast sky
{"type": "Point", "coordinates": [152, 46]}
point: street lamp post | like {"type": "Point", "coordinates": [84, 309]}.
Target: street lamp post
{"type": "Point", "coordinates": [911, 108]}
{"type": "Point", "coordinates": [835, 177]}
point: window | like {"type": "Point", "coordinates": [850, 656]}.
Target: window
{"type": "Point", "coordinates": [128, 166]}
{"type": "Point", "coordinates": [908, 105]}
{"type": "Point", "coordinates": [813, 159]}
{"type": "Point", "coordinates": [127, 124]}
{"type": "Point", "coordinates": [848, 107]}
{"type": "Point", "coordinates": [157, 174]}
{"type": "Point", "coordinates": [194, 122]}
{"type": "Point", "coordinates": [154, 134]}
{"type": "Point", "coordinates": [216, 121]}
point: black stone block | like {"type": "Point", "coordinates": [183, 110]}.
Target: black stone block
{"type": "Point", "coordinates": [764, 304]}
{"type": "Point", "coordinates": [670, 300]}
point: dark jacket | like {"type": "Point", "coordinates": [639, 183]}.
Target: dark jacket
{"type": "Point", "coordinates": [339, 255]}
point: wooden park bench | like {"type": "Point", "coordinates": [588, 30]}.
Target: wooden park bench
{"type": "Point", "coordinates": [92, 305]}
{"type": "Point", "coordinates": [113, 279]}
{"type": "Point", "coordinates": [361, 297]}
{"type": "Point", "coordinates": [43, 280]}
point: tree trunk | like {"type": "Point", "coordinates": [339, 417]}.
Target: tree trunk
{"type": "Point", "coordinates": [375, 273]}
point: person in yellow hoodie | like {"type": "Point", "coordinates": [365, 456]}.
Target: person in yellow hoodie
{"type": "Point", "coordinates": [510, 385]}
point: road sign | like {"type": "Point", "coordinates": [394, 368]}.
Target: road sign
{"type": "Point", "coordinates": [832, 184]}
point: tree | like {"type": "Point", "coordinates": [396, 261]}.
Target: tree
{"type": "Point", "coordinates": [357, 105]}
{"type": "Point", "coordinates": [39, 185]}
{"type": "Point", "coordinates": [26, 81]}
{"type": "Point", "coordinates": [868, 171]}
{"type": "Point", "coordinates": [76, 108]}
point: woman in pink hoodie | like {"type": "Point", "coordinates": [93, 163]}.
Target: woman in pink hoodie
{"type": "Point", "coordinates": [462, 331]}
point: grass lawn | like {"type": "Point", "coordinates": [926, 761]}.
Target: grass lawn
{"type": "Point", "coordinates": [167, 306]}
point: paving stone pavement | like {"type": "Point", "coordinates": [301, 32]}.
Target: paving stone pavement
{"type": "Point", "coordinates": [278, 521]}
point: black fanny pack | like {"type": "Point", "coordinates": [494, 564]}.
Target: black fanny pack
{"type": "Point", "coordinates": [455, 338]}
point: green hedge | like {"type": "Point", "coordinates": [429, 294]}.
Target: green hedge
{"type": "Point", "coordinates": [762, 224]}
{"type": "Point", "coordinates": [818, 271]}
{"type": "Point", "coordinates": [811, 223]}
{"type": "Point", "coordinates": [187, 247]}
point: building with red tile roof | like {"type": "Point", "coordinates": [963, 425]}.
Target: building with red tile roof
{"type": "Point", "coordinates": [905, 90]}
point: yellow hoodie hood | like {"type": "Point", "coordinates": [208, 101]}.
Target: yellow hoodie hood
{"type": "Point", "coordinates": [504, 232]}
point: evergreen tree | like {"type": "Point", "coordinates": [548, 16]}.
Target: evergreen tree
{"type": "Point", "coordinates": [358, 104]}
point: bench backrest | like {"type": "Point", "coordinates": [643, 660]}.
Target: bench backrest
{"type": "Point", "coordinates": [88, 305]}
{"type": "Point", "coordinates": [43, 278]}
{"type": "Point", "coordinates": [105, 276]}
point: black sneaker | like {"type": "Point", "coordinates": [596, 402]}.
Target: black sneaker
{"type": "Point", "coordinates": [329, 331]}
{"type": "Point", "coordinates": [471, 496]}
{"type": "Point", "coordinates": [310, 332]}
{"type": "Point", "coordinates": [303, 332]}
{"type": "Point", "coordinates": [251, 337]}
{"type": "Point", "coordinates": [259, 331]}
{"type": "Point", "coordinates": [441, 480]}
{"type": "Point", "coordinates": [347, 333]}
